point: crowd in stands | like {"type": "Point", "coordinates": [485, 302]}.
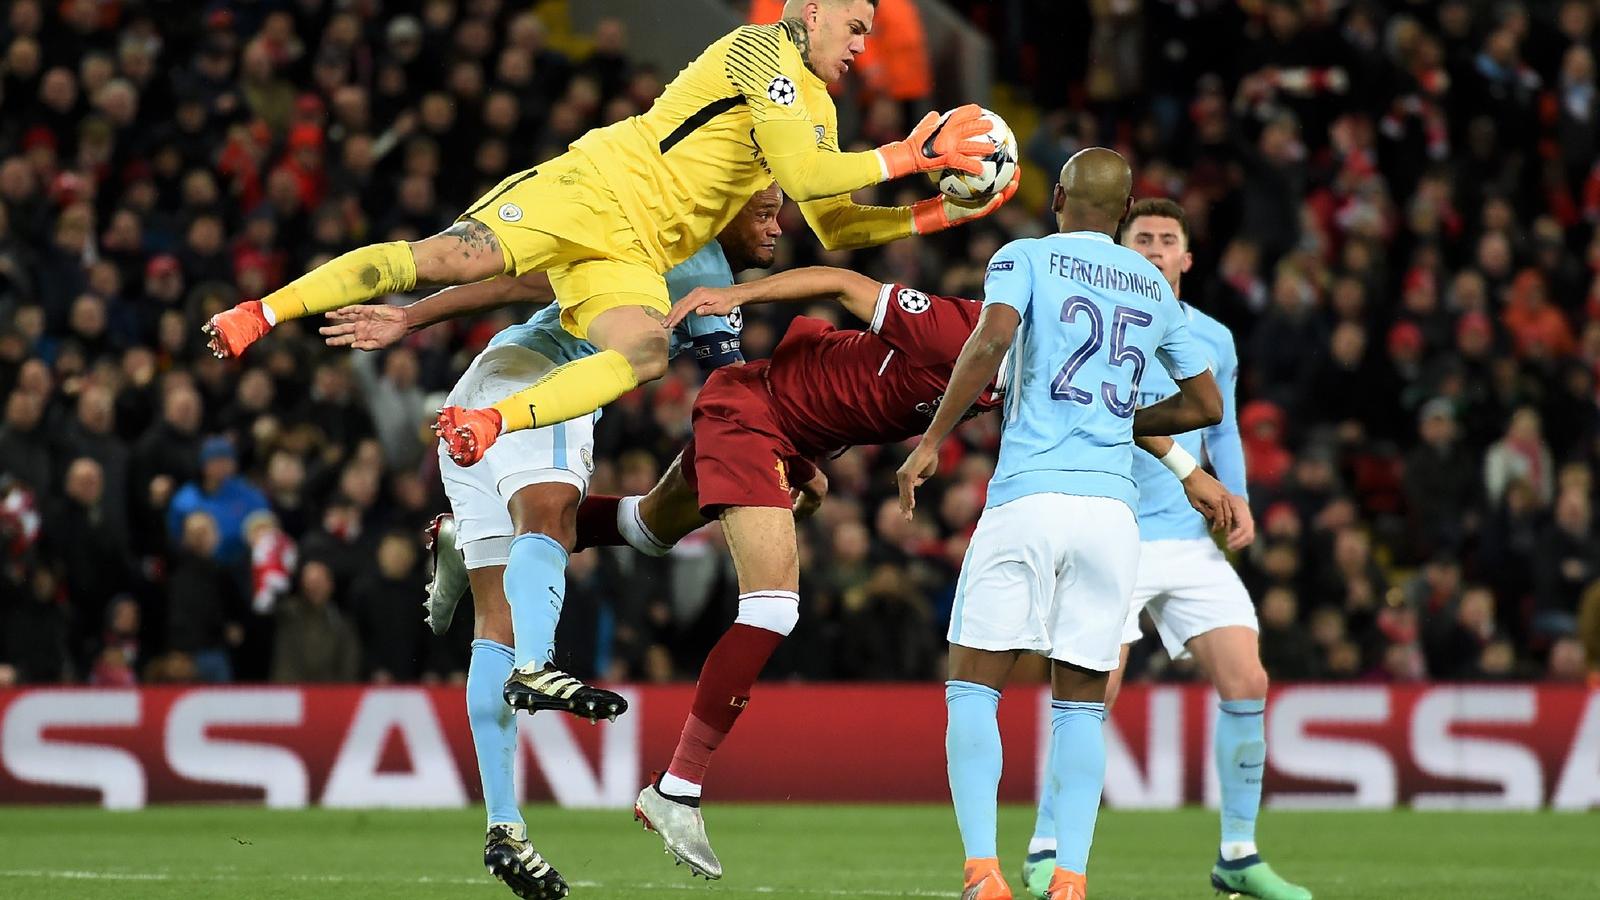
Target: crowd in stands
{"type": "Point", "coordinates": [1393, 206]}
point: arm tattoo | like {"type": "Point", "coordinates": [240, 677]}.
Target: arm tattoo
{"type": "Point", "coordinates": [801, 37]}
{"type": "Point", "coordinates": [475, 237]}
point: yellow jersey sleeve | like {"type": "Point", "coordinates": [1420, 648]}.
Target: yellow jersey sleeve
{"type": "Point", "coordinates": [764, 65]}
{"type": "Point", "coordinates": [842, 224]}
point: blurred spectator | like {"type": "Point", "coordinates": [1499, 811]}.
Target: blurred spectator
{"type": "Point", "coordinates": [223, 494]}
{"type": "Point", "coordinates": [1568, 560]}
{"type": "Point", "coordinates": [1441, 483]}
{"type": "Point", "coordinates": [33, 641]}
{"type": "Point", "coordinates": [314, 640]}
{"type": "Point", "coordinates": [383, 607]}
{"type": "Point", "coordinates": [1520, 456]}
{"type": "Point", "coordinates": [203, 605]}
{"type": "Point", "coordinates": [24, 452]}
{"type": "Point", "coordinates": [1287, 650]}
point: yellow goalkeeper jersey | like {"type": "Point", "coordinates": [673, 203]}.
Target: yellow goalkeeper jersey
{"type": "Point", "coordinates": [747, 111]}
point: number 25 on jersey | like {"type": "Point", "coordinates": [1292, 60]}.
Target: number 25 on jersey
{"type": "Point", "coordinates": [1062, 388]}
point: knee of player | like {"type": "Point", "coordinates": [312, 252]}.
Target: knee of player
{"type": "Point", "coordinates": [1247, 682]}
{"type": "Point", "coordinates": [646, 352]}
{"type": "Point", "coordinates": [775, 611]}
{"type": "Point", "coordinates": [553, 514]}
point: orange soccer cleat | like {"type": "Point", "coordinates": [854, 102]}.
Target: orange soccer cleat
{"type": "Point", "coordinates": [231, 331]}
{"type": "Point", "coordinates": [467, 433]}
{"type": "Point", "coordinates": [984, 881]}
{"type": "Point", "coordinates": [1066, 885]}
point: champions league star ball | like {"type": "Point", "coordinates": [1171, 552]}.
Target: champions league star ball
{"type": "Point", "coordinates": [999, 167]}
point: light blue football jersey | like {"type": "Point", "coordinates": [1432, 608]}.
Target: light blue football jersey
{"type": "Point", "coordinates": [713, 340]}
{"type": "Point", "coordinates": [1164, 510]}
{"type": "Point", "coordinates": [1093, 313]}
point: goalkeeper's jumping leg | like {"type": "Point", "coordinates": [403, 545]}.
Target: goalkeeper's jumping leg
{"type": "Point", "coordinates": [633, 351]}
{"type": "Point", "coordinates": [465, 252]}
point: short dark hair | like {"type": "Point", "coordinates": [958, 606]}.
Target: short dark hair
{"type": "Point", "coordinates": [1158, 206]}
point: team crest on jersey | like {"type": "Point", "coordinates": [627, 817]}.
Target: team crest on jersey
{"type": "Point", "coordinates": [736, 319]}
{"type": "Point", "coordinates": [781, 91]}
{"type": "Point", "coordinates": [588, 459]}
{"type": "Point", "coordinates": [913, 302]}
{"type": "Point", "coordinates": [510, 212]}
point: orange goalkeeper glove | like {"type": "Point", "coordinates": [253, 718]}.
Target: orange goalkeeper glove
{"type": "Point", "coordinates": [939, 213]}
{"type": "Point", "coordinates": [231, 331]}
{"type": "Point", "coordinates": [467, 433]}
{"type": "Point", "coordinates": [939, 143]}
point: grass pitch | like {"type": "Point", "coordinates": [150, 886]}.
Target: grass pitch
{"type": "Point", "coordinates": [801, 852]}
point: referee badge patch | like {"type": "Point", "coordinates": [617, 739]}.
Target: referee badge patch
{"type": "Point", "coordinates": [781, 91]}
{"type": "Point", "coordinates": [913, 302]}
{"type": "Point", "coordinates": [510, 212]}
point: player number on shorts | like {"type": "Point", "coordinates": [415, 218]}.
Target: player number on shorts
{"type": "Point", "coordinates": [1121, 318]}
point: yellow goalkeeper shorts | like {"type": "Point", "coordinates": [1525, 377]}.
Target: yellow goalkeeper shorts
{"type": "Point", "coordinates": [563, 219]}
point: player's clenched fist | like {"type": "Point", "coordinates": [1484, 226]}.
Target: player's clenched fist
{"type": "Point", "coordinates": [229, 332]}
{"type": "Point", "coordinates": [938, 143]}
{"type": "Point", "coordinates": [467, 433]}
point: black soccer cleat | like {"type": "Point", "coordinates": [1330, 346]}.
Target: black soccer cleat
{"type": "Point", "coordinates": [509, 857]}
{"type": "Point", "coordinates": [533, 688]}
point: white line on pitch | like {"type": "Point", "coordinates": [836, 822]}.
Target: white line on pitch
{"type": "Point", "coordinates": [80, 875]}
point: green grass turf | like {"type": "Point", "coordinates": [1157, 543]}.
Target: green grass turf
{"type": "Point", "coordinates": [769, 852]}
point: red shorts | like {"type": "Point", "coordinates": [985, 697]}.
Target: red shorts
{"type": "Point", "coordinates": [739, 454]}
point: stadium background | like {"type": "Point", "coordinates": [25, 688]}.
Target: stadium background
{"type": "Point", "coordinates": [1393, 206]}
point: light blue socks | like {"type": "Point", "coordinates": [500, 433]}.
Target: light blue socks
{"type": "Point", "coordinates": [1077, 773]}
{"type": "Point", "coordinates": [972, 752]}
{"type": "Point", "coordinates": [1241, 750]}
{"type": "Point", "coordinates": [536, 586]}
{"type": "Point", "coordinates": [494, 729]}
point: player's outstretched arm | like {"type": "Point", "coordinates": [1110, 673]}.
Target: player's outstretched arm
{"type": "Point", "coordinates": [1206, 494]}
{"type": "Point", "coordinates": [1197, 404]}
{"type": "Point", "coordinates": [842, 224]}
{"type": "Point", "coordinates": [975, 370]}
{"type": "Point", "coordinates": [372, 327]}
{"type": "Point", "coordinates": [807, 171]}
{"type": "Point", "coordinates": [852, 290]}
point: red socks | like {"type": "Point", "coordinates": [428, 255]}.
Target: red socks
{"type": "Point", "coordinates": [720, 696]}
{"type": "Point", "coordinates": [597, 522]}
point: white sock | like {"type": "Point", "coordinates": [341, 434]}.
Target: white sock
{"type": "Point", "coordinates": [1233, 850]}
{"type": "Point", "coordinates": [631, 525]}
{"type": "Point", "coordinates": [673, 786]}
{"type": "Point", "coordinates": [1041, 845]}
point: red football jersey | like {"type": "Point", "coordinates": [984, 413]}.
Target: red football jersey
{"type": "Point", "coordinates": [838, 388]}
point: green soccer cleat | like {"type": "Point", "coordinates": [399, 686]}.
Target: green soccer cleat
{"type": "Point", "coordinates": [1036, 872]}
{"type": "Point", "coordinates": [1251, 877]}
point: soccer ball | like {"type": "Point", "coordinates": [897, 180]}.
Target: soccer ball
{"type": "Point", "coordinates": [999, 167]}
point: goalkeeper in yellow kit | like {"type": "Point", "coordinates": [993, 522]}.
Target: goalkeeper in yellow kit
{"type": "Point", "coordinates": [631, 200]}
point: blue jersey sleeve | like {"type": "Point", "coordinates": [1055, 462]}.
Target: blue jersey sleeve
{"type": "Point", "coordinates": [713, 341]}
{"type": "Point", "coordinates": [1222, 441]}
{"type": "Point", "coordinates": [1179, 352]}
{"type": "Point", "coordinates": [1010, 278]}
